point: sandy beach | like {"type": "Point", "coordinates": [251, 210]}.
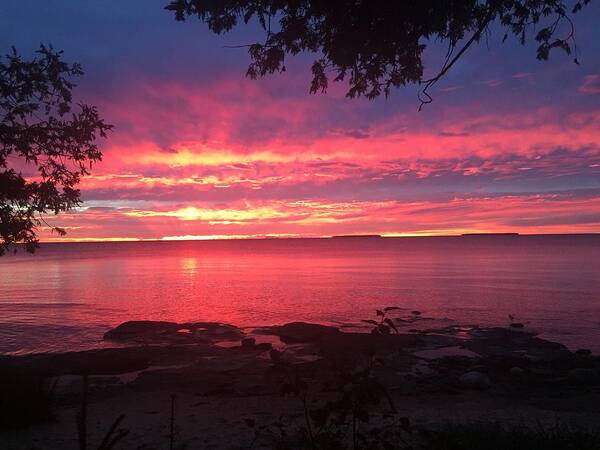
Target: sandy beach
{"type": "Point", "coordinates": [225, 393]}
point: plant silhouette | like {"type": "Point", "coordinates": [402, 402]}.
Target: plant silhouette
{"type": "Point", "coordinates": [41, 135]}
{"type": "Point", "coordinates": [378, 45]}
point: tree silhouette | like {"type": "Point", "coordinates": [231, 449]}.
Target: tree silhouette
{"type": "Point", "coordinates": [41, 136]}
{"type": "Point", "coordinates": [377, 45]}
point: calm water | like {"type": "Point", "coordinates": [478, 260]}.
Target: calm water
{"type": "Point", "coordinates": [66, 295]}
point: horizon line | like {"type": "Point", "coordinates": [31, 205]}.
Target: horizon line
{"type": "Point", "coordinates": [274, 237]}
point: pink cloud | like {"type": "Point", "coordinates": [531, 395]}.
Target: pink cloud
{"type": "Point", "coordinates": [590, 85]}
{"type": "Point", "coordinates": [526, 214]}
{"type": "Point", "coordinates": [232, 158]}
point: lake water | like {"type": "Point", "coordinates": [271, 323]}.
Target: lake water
{"type": "Point", "coordinates": [67, 295]}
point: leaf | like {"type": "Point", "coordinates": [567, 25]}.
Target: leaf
{"type": "Point", "coordinates": [544, 35]}
{"type": "Point", "coordinates": [391, 324]}
{"type": "Point", "coordinates": [275, 355]}
{"type": "Point", "coordinates": [383, 329]}
{"type": "Point", "coordinates": [372, 322]}
{"type": "Point", "coordinates": [405, 424]}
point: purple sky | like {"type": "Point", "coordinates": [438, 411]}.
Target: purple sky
{"type": "Point", "coordinates": [509, 143]}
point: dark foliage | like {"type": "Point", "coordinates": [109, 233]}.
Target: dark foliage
{"type": "Point", "coordinates": [494, 436]}
{"type": "Point", "coordinates": [25, 399]}
{"type": "Point", "coordinates": [113, 435]}
{"type": "Point", "coordinates": [384, 325]}
{"type": "Point", "coordinates": [377, 45]}
{"type": "Point", "coordinates": [349, 408]}
{"type": "Point", "coordinates": [41, 136]}
{"type": "Point", "coordinates": [345, 406]}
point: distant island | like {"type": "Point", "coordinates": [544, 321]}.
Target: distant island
{"type": "Point", "coordinates": [346, 236]}
{"type": "Point", "coordinates": [489, 234]}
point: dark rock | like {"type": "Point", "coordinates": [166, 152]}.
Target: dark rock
{"type": "Point", "coordinates": [233, 373]}
{"type": "Point", "coordinates": [583, 375]}
{"type": "Point", "coordinates": [159, 332]}
{"type": "Point", "coordinates": [109, 361]}
{"type": "Point", "coordinates": [516, 371]}
{"type": "Point", "coordinates": [301, 332]}
{"type": "Point", "coordinates": [440, 340]}
{"type": "Point", "coordinates": [262, 347]}
{"type": "Point", "coordinates": [542, 371]}
{"type": "Point", "coordinates": [248, 342]}
{"type": "Point", "coordinates": [508, 341]}
{"type": "Point", "coordinates": [517, 325]}
{"type": "Point", "coordinates": [347, 348]}
{"type": "Point", "coordinates": [583, 352]}
{"type": "Point", "coordinates": [99, 362]}
{"type": "Point", "coordinates": [475, 380]}
{"type": "Point", "coordinates": [139, 328]}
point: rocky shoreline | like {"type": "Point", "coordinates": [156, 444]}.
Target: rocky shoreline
{"type": "Point", "coordinates": [223, 377]}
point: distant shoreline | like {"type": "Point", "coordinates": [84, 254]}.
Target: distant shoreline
{"type": "Point", "coordinates": [354, 236]}
{"type": "Point", "coordinates": [493, 234]}
{"type": "Point", "coordinates": [350, 236]}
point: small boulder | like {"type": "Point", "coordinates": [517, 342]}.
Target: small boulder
{"type": "Point", "coordinates": [542, 371]}
{"type": "Point", "coordinates": [583, 375]}
{"type": "Point", "coordinates": [475, 380]}
{"type": "Point", "coordinates": [516, 371]}
{"type": "Point", "coordinates": [301, 332]}
{"type": "Point", "coordinates": [160, 332]}
{"type": "Point", "coordinates": [248, 342]}
{"type": "Point", "coordinates": [139, 329]}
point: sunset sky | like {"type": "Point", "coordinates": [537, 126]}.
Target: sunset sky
{"type": "Point", "coordinates": [509, 144]}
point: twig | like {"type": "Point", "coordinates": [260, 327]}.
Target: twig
{"type": "Point", "coordinates": [172, 424]}
{"type": "Point", "coordinates": [446, 67]}
{"type": "Point", "coordinates": [109, 441]}
{"type": "Point", "coordinates": [81, 417]}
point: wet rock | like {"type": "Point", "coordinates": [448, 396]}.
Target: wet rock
{"type": "Point", "coordinates": [112, 361]}
{"type": "Point", "coordinates": [475, 380]}
{"type": "Point", "coordinates": [136, 328]}
{"type": "Point", "coordinates": [357, 345]}
{"type": "Point", "coordinates": [249, 345]}
{"type": "Point", "coordinates": [583, 375]}
{"type": "Point", "coordinates": [301, 332]}
{"type": "Point", "coordinates": [516, 371]}
{"type": "Point", "coordinates": [159, 332]}
{"type": "Point", "coordinates": [542, 371]}
{"type": "Point", "coordinates": [262, 347]}
{"type": "Point", "coordinates": [445, 352]}
{"type": "Point", "coordinates": [248, 342]}
{"type": "Point", "coordinates": [440, 340]}
{"type": "Point", "coordinates": [508, 341]}
{"type": "Point", "coordinates": [232, 373]}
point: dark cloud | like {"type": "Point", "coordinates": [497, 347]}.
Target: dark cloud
{"type": "Point", "coordinates": [590, 85]}
{"type": "Point", "coordinates": [453, 134]}
{"type": "Point", "coordinates": [357, 134]}
{"type": "Point", "coordinates": [515, 127]}
{"type": "Point", "coordinates": [563, 219]}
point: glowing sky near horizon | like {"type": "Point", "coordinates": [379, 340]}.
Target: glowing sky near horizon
{"type": "Point", "coordinates": [509, 144]}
